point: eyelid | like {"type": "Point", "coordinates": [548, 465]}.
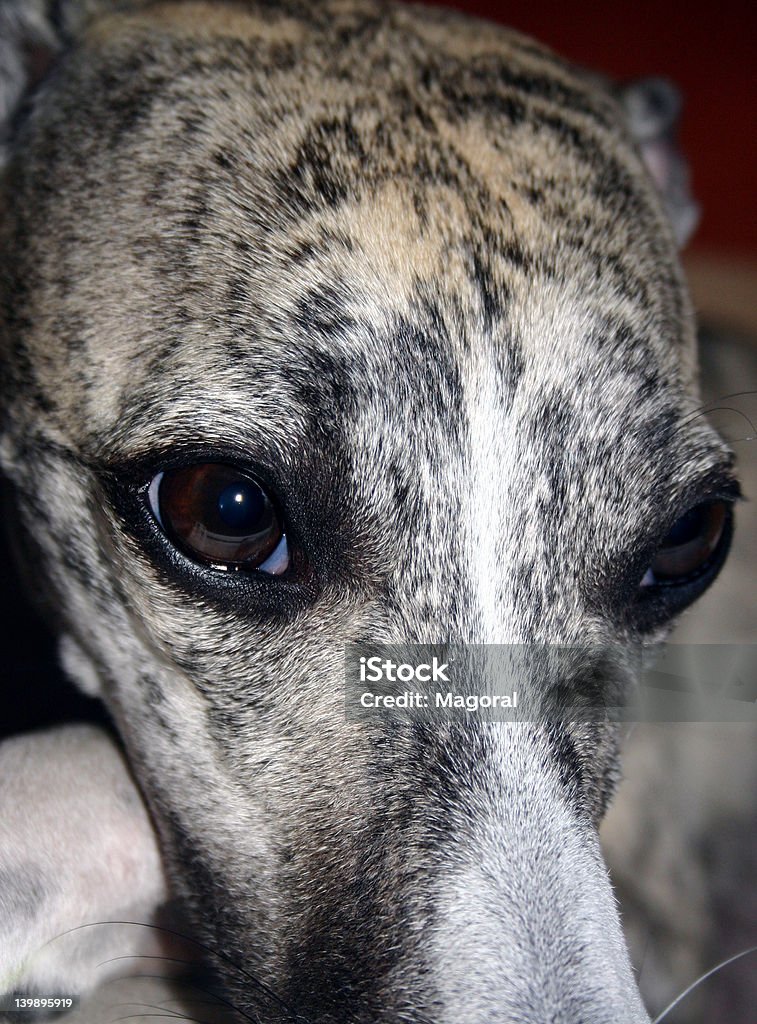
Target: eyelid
{"type": "Point", "coordinates": [725, 531]}
{"type": "Point", "coordinates": [721, 487]}
{"type": "Point", "coordinates": [717, 485]}
{"type": "Point", "coordinates": [728, 491]}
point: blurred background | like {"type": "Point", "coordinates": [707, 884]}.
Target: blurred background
{"type": "Point", "coordinates": [681, 838]}
{"type": "Point", "coordinates": [709, 52]}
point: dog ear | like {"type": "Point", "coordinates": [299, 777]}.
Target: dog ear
{"type": "Point", "coordinates": [32, 35]}
{"type": "Point", "coordinates": [653, 108]}
{"type": "Point", "coordinates": [30, 38]}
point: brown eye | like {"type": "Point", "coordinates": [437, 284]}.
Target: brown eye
{"type": "Point", "coordinates": [691, 545]}
{"type": "Point", "coordinates": [219, 515]}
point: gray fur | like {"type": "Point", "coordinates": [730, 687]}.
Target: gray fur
{"type": "Point", "coordinates": [77, 851]}
{"type": "Point", "coordinates": [415, 272]}
{"type": "Point", "coordinates": [23, 889]}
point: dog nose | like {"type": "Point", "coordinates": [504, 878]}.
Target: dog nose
{"type": "Point", "coordinates": [525, 926]}
{"type": "Point", "coordinates": [480, 896]}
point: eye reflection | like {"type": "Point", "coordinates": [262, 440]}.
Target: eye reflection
{"type": "Point", "coordinates": [221, 516]}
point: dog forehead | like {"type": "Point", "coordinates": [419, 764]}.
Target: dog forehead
{"type": "Point", "coordinates": [237, 192]}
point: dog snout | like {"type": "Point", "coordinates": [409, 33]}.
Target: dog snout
{"type": "Point", "coordinates": [476, 893]}
{"type": "Point", "coordinates": [526, 928]}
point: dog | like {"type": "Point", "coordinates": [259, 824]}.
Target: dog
{"type": "Point", "coordinates": [325, 325]}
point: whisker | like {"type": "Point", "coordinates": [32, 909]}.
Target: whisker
{"type": "Point", "coordinates": [735, 394]}
{"type": "Point", "coordinates": [738, 412]}
{"type": "Point", "coordinates": [169, 1016]}
{"type": "Point", "coordinates": [260, 986]}
{"type": "Point", "coordinates": [162, 1012]}
{"type": "Point", "coordinates": [715, 405]}
{"type": "Point", "coordinates": [707, 406]}
{"type": "Point", "coordinates": [218, 1000]}
{"type": "Point", "coordinates": [700, 979]}
{"type": "Point", "coordinates": [712, 404]}
{"type": "Point", "coordinates": [151, 956]}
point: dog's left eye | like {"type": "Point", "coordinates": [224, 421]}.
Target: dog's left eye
{"type": "Point", "coordinates": [696, 541]}
{"type": "Point", "coordinates": [220, 516]}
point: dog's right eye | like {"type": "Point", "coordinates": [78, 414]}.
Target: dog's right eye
{"type": "Point", "coordinates": [694, 543]}
{"type": "Point", "coordinates": [220, 516]}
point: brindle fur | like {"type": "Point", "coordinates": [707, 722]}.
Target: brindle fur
{"type": "Point", "coordinates": [411, 268]}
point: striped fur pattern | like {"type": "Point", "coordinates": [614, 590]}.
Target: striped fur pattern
{"type": "Point", "coordinates": [411, 270]}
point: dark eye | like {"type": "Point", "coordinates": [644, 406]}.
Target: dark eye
{"type": "Point", "coordinates": [219, 515]}
{"type": "Point", "coordinates": [694, 543]}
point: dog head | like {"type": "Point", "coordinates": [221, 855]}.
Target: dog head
{"type": "Point", "coordinates": [346, 324]}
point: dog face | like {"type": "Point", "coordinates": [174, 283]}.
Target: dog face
{"type": "Point", "coordinates": [404, 285]}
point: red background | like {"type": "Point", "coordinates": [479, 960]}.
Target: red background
{"type": "Point", "coordinates": [710, 53]}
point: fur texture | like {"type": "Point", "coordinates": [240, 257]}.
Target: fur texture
{"type": "Point", "coordinates": [411, 271]}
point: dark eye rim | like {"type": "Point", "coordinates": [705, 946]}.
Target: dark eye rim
{"type": "Point", "coordinates": [655, 605]}
{"type": "Point", "coordinates": [718, 553]}
{"type": "Point", "coordinates": [257, 596]}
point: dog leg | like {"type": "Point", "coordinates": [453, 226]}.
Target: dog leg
{"type": "Point", "coordinates": [77, 850]}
